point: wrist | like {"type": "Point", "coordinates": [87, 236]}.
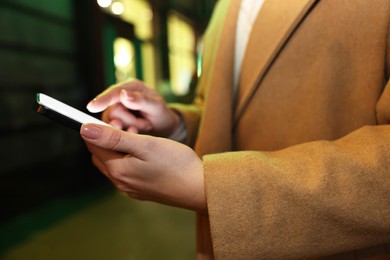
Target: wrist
{"type": "Point", "coordinates": [179, 131]}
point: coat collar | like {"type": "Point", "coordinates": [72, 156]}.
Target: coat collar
{"type": "Point", "coordinates": [274, 25]}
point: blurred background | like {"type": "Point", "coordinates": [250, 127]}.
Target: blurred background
{"type": "Point", "coordinates": [54, 203]}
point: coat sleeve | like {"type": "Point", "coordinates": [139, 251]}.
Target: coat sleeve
{"type": "Point", "coordinates": [312, 199]}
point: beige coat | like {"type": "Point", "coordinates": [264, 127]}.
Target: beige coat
{"type": "Point", "coordinates": [299, 166]}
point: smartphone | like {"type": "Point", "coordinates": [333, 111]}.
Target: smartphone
{"type": "Point", "coordinates": [63, 113]}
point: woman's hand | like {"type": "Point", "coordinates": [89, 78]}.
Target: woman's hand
{"type": "Point", "coordinates": [135, 108]}
{"type": "Point", "coordinates": [148, 168]}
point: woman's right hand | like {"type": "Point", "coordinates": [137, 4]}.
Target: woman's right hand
{"type": "Point", "coordinates": [133, 107]}
{"type": "Point", "coordinates": [148, 167]}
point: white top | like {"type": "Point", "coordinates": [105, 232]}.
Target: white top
{"type": "Point", "coordinates": [249, 9]}
{"type": "Point", "coordinates": [247, 15]}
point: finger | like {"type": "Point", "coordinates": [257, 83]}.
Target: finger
{"type": "Point", "coordinates": [143, 101]}
{"type": "Point", "coordinates": [112, 120]}
{"type": "Point", "coordinates": [113, 142]}
{"type": "Point", "coordinates": [98, 164]}
{"type": "Point", "coordinates": [111, 95]}
{"type": "Point", "coordinates": [132, 130]}
{"type": "Point", "coordinates": [116, 123]}
{"type": "Point", "coordinates": [122, 113]}
{"type": "Point", "coordinates": [107, 162]}
{"type": "Point", "coordinates": [101, 167]}
{"type": "Point", "coordinates": [121, 118]}
{"type": "Point", "coordinates": [128, 119]}
{"type": "Point", "coordinates": [104, 100]}
{"type": "Point", "coordinates": [106, 113]}
{"type": "Point", "coordinates": [103, 155]}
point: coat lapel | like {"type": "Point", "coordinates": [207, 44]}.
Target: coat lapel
{"type": "Point", "coordinates": [218, 81]}
{"type": "Point", "coordinates": [274, 25]}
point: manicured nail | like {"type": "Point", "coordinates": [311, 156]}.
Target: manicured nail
{"type": "Point", "coordinates": [91, 103]}
{"type": "Point", "coordinates": [90, 131]}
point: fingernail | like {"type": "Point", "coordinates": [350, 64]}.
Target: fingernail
{"type": "Point", "coordinates": [90, 131]}
{"type": "Point", "coordinates": [91, 103]}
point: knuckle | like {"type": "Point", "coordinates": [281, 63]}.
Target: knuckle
{"type": "Point", "coordinates": [114, 140]}
{"type": "Point", "coordinates": [157, 99]}
{"type": "Point", "coordinates": [150, 145]}
{"type": "Point", "coordinates": [115, 173]}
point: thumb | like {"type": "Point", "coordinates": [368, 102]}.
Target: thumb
{"type": "Point", "coordinates": [112, 139]}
